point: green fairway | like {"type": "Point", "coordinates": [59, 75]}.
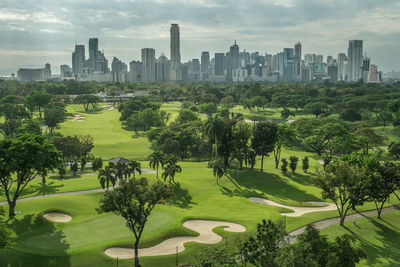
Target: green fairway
{"type": "Point", "coordinates": [380, 239]}
{"type": "Point", "coordinates": [110, 139]}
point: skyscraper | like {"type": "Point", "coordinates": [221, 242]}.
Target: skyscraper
{"type": "Point", "coordinates": [175, 69]}
{"type": "Point", "coordinates": [205, 61]}
{"type": "Point", "coordinates": [219, 64]}
{"type": "Point", "coordinates": [233, 62]}
{"type": "Point", "coordinates": [355, 57]}
{"type": "Point", "coordinates": [78, 59]}
{"type": "Point", "coordinates": [342, 63]}
{"type": "Point", "coordinates": [148, 61]}
{"type": "Point", "coordinates": [93, 48]}
{"type": "Point", "coordinates": [288, 64]}
{"type": "Point", "coordinates": [297, 60]}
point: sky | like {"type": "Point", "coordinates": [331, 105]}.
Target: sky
{"type": "Point", "coordinates": [34, 32]}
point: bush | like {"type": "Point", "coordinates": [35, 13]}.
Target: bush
{"type": "Point", "coordinates": [97, 164]}
{"type": "Point", "coordinates": [284, 165]}
{"type": "Point", "coordinates": [74, 168]}
{"type": "Point", "coordinates": [306, 164]}
{"type": "Point", "coordinates": [293, 163]}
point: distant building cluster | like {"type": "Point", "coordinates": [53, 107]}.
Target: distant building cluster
{"type": "Point", "coordinates": [230, 66]}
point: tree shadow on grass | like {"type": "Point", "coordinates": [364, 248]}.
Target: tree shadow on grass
{"type": "Point", "coordinates": [182, 197]}
{"type": "Point", "coordinates": [41, 189]}
{"type": "Point", "coordinates": [301, 179]}
{"type": "Point", "coordinates": [250, 183]}
{"type": "Point", "coordinates": [37, 242]}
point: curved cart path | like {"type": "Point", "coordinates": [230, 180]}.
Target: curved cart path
{"type": "Point", "coordinates": [169, 246]}
{"type": "Point", "coordinates": [298, 211]}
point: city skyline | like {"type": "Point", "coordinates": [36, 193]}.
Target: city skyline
{"type": "Point", "coordinates": [37, 33]}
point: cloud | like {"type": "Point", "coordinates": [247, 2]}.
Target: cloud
{"type": "Point", "coordinates": [126, 26]}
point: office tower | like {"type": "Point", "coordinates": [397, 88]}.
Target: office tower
{"type": "Point", "coordinates": [309, 58]}
{"type": "Point", "coordinates": [373, 74]}
{"type": "Point", "coordinates": [78, 59]}
{"type": "Point", "coordinates": [297, 60]}
{"type": "Point", "coordinates": [93, 48]}
{"type": "Point", "coordinates": [288, 64]}
{"type": "Point", "coordinates": [135, 71]}
{"type": "Point", "coordinates": [319, 58]}
{"type": "Point", "coordinates": [342, 59]}
{"type": "Point", "coordinates": [333, 73]}
{"type": "Point", "coordinates": [365, 68]}
{"type": "Point", "coordinates": [65, 71]}
{"type": "Point", "coordinates": [34, 74]}
{"type": "Point", "coordinates": [175, 67]}
{"type": "Point", "coordinates": [148, 61]}
{"type": "Point", "coordinates": [118, 70]}
{"type": "Point", "coordinates": [219, 64]}
{"type": "Point", "coordinates": [162, 68]}
{"type": "Point", "coordinates": [205, 61]}
{"type": "Point", "coordinates": [354, 54]}
{"type": "Point", "coordinates": [232, 60]}
{"type": "Point", "coordinates": [329, 60]}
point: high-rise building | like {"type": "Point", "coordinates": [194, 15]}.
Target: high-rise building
{"type": "Point", "coordinates": [162, 68]}
{"type": "Point", "coordinates": [148, 61]}
{"type": "Point", "coordinates": [365, 68]}
{"type": "Point", "coordinates": [232, 61]}
{"type": "Point", "coordinates": [175, 68]}
{"type": "Point", "coordinates": [93, 48]}
{"type": "Point", "coordinates": [35, 74]}
{"type": "Point", "coordinates": [78, 60]}
{"type": "Point", "coordinates": [205, 61]}
{"type": "Point", "coordinates": [219, 64]}
{"type": "Point", "coordinates": [297, 60]}
{"type": "Point", "coordinates": [342, 61]}
{"type": "Point", "coordinates": [355, 56]}
{"type": "Point", "coordinates": [65, 71]}
{"type": "Point", "coordinates": [288, 64]}
{"type": "Point", "coordinates": [333, 73]}
{"type": "Point", "coordinates": [373, 74]}
{"type": "Point", "coordinates": [135, 71]}
{"type": "Point", "coordinates": [119, 70]}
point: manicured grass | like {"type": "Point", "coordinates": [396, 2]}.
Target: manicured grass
{"type": "Point", "coordinates": [110, 139]}
{"type": "Point", "coordinates": [380, 239]}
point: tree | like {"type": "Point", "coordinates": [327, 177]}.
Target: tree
{"type": "Point", "coordinates": [133, 167]}
{"type": "Point", "coordinates": [121, 170]}
{"type": "Point", "coordinates": [344, 185]}
{"type": "Point", "coordinates": [97, 164]}
{"type": "Point", "coordinates": [265, 135]}
{"type": "Point", "coordinates": [385, 116]}
{"type": "Point", "coordinates": [284, 166]}
{"type": "Point", "coordinates": [84, 100]}
{"type": "Point", "coordinates": [285, 113]}
{"type": "Point", "coordinates": [107, 176]}
{"type": "Point", "coordinates": [262, 249]}
{"type": "Point", "coordinates": [218, 168]}
{"type": "Point", "coordinates": [215, 128]}
{"type": "Point", "coordinates": [155, 160]}
{"type": "Point", "coordinates": [368, 137]}
{"type": "Point", "coordinates": [23, 159]}
{"type": "Point", "coordinates": [317, 108]}
{"type": "Point", "coordinates": [170, 170]}
{"type": "Point", "coordinates": [208, 108]}
{"type": "Point", "coordinates": [394, 150]}
{"type": "Point", "coordinates": [70, 151]}
{"type": "Point", "coordinates": [293, 163]}
{"type": "Point", "coordinates": [350, 115]}
{"type": "Point", "coordinates": [37, 100]}
{"type": "Point", "coordinates": [52, 117]}
{"type": "Point", "coordinates": [306, 164]}
{"type": "Point", "coordinates": [74, 168]}
{"type": "Point", "coordinates": [134, 200]}
{"type": "Point", "coordinates": [186, 115]}
{"type": "Point", "coordinates": [222, 256]}
{"type": "Point", "coordinates": [285, 136]}
{"type": "Point", "coordinates": [86, 145]}
{"type": "Point", "coordinates": [251, 158]}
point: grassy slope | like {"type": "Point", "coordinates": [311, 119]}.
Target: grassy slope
{"type": "Point", "coordinates": [380, 239]}
{"type": "Point", "coordinates": [82, 241]}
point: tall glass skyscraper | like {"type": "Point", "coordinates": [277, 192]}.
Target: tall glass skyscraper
{"type": "Point", "coordinates": [175, 70]}
{"type": "Point", "coordinates": [354, 61]}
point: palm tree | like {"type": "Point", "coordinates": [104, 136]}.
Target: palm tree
{"type": "Point", "coordinates": [214, 128]}
{"type": "Point", "coordinates": [121, 170]}
{"type": "Point", "coordinates": [218, 168]}
{"type": "Point", "coordinates": [155, 160]}
{"type": "Point", "coordinates": [134, 166]}
{"type": "Point", "coordinates": [107, 176]}
{"type": "Point", "coordinates": [170, 171]}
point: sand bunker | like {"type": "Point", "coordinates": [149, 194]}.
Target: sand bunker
{"type": "Point", "coordinates": [203, 227]}
{"type": "Point", "coordinates": [298, 211]}
{"type": "Point", "coordinates": [77, 117]}
{"type": "Point", "coordinates": [57, 217]}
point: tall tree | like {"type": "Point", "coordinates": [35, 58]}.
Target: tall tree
{"type": "Point", "coordinates": [37, 100]}
{"type": "Point", "coordinates": [170, 171]}
{"type": "Point", "coordinates": [86, 145]}
{"type": "Point", "coordinates": [264, 138]}
{"type": "Point", "coordinates": [106, 177]}
{"type": "Point", "coordinates": [133, 167]}
{"type": "Point", "coordinates": [215, 127]}
{"type": "Point", "coordinates": [285, 136]}
{"type": "Point", "coordinates": [134, 200]}
{"type": "Point", "coordinates": [27, 157]}
{"type": "Point", "coordinates": [218, 168]}
{"type": "Point", "coordinates": [155, 160]}
{"type": "Point", "coordinates": [345, 185]}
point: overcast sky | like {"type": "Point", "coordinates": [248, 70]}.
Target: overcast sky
{"type": "Point", "coordinates": [33, 32]}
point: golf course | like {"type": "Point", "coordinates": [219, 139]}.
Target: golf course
{"type": "Point", "coordinates": [58, 223]}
